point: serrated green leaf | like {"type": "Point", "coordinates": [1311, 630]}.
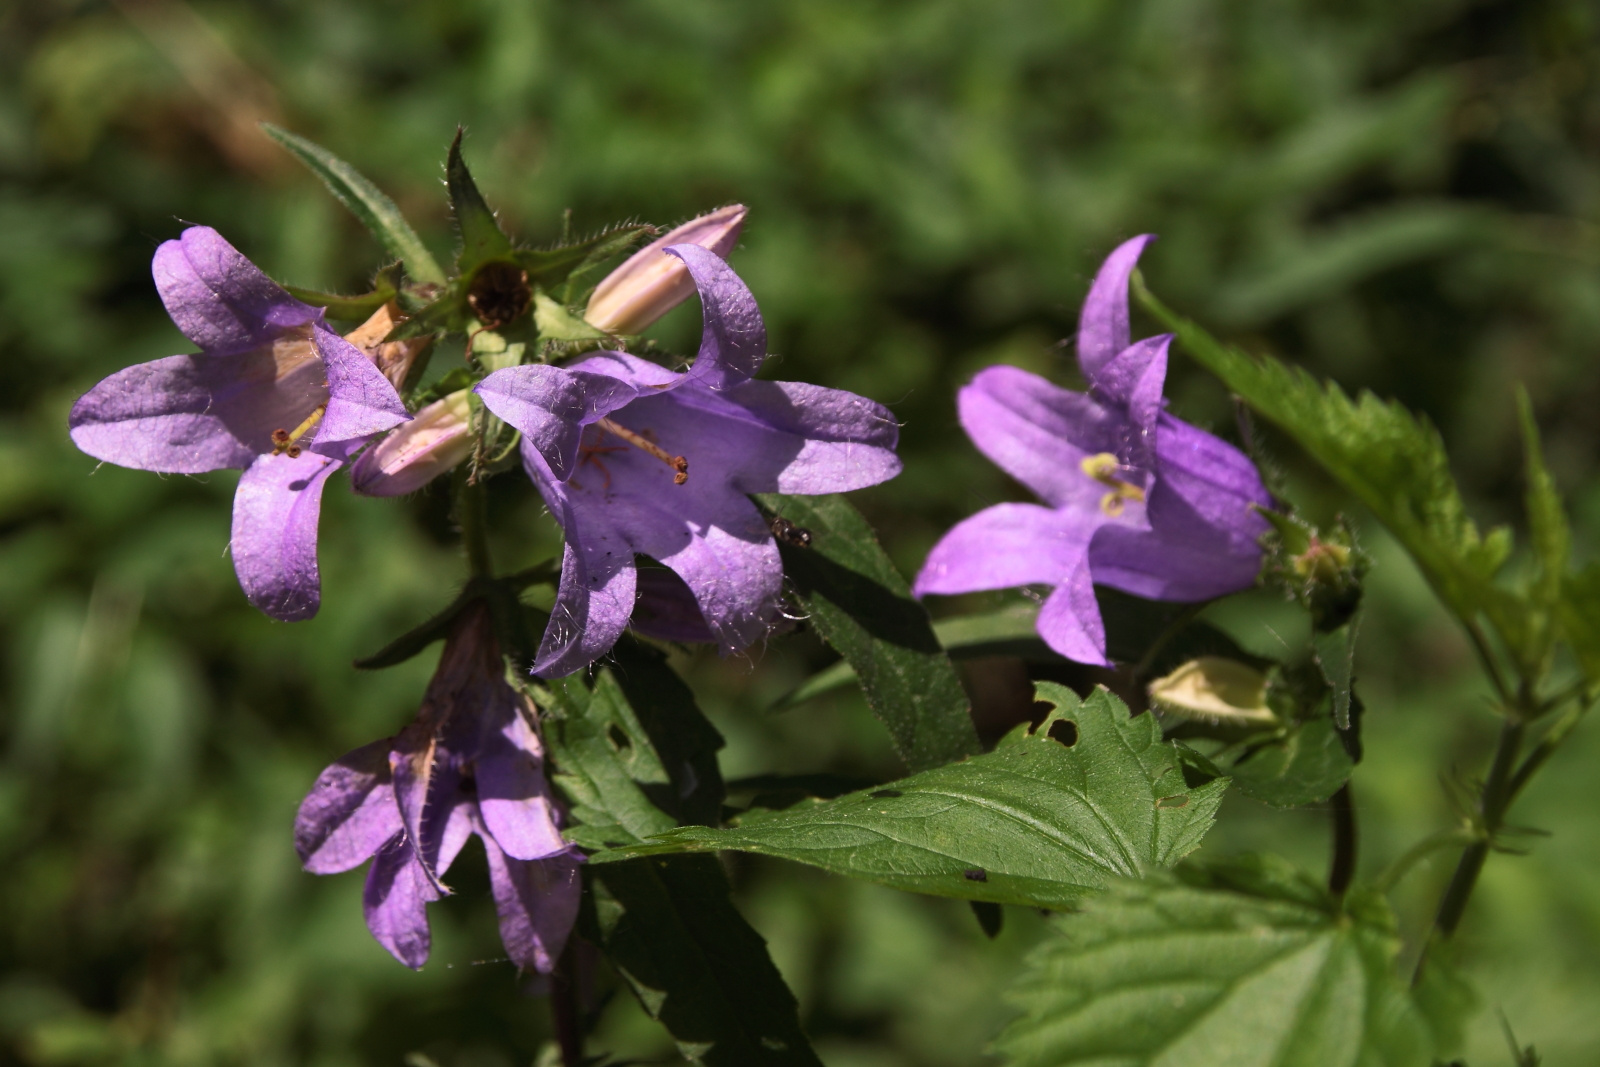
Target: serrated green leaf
{"type": "Point", "coordinates": [1391, 460]}
{"type": "Point", "coordinates": [481, 238]}
{"type": "Point", "coordinates": [351, 308]}
{"type": "Point", "coordinates": [670, 928]}
{"type": "Point", "coordinates": [1336, 659]}
{"type": "Point", "coordinates": [366, 202]}
{"type": "Point", "coordinates": [1035, 822]}
{"type": "Point", "coordinates": [1579, 612]}
{"type": "Point", "coordinates": [1251, 967]}
{"type": "Point", "coordinates": [549, 267]}
{"type": "Point", "coordinates": [1549, 535]}
{"type": "Point", "coordinates": [1305, 764]}
{"type": "Point", "coordinates": [860, 605]}
{"type": "Point", "coordinates": [685, 742]}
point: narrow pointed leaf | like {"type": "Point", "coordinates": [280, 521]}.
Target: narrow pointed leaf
{"type": "Point", "coordinates": [549, 267]}
{"type": "Point", "coordinates": [352, 308]}
{"type": "Point", "coordinates": [1253, 965]}
{"type": "Point", "coordinates": [366, 201]}
{"type": "Point", "coordinates": [1550, 537]}
{"type": "Point", "coordinates": [860, 605]}
{"type": "Point", "coordinates": [1391, 460]}
{"type": "Point", "coordinates": [480, 234]}
{"type": "Point", "coordinates": [1035, 822]}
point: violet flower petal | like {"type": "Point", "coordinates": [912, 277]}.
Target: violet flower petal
{"type": "Point", "coordinates": [1008, 545]}
{"type": "Point", "coordinates": [666, 609]}
{"type": "Point", "coordinates": [538, 903]}
{"type": "Point", "coordinates": [1040, 434]}
{"type": "Point", "coordinates": [395, 900]}
{"type": "Point", "coordinates": [733, 339]}
{"type": "Point", "coordinates": [1103, 330]}
{"type": "Point", "coordinates": [1069, 620]}
{"type": "Point", "coordinates": [274, 546]}
{"type": "Point", "coordinates": [1139, 372]}
{"type": "Point", "coordinates": [595, 595]}
{"type": "Point", "coordinates": [163, 416]}
{"type": "Point", "coordinates": [350, 812]}
{"type": "Point", "coordinates": [845, 441]}
{"type": "Point", "coordinates": [513, 796]}
{"type": "Point", "coordinates": [552, 405]}
{"type": "Point", "coordinates": [218, 298]}
{"type": "Point", "coordinates": [361, 401]}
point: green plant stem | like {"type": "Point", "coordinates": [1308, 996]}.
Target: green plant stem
{"type": "Point", "coordinates": [1343, 868]}
{"type": "Point", "coordinates": [564, 1006]}
{"type": "Point", "coordinates": [1546, 746]}
{"type": "Point", "coordinates": [1419, 851]}
{"type": "Point", "coordinates": [1480, 644]}
{"type": "Point", "coordinates": [473, 518]}
{"type": "Point", "coordinates": [1492, 804]}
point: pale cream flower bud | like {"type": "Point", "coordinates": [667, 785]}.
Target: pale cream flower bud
{"type": "Point", "coordinates": [415, 453]}
{"type": "Point", "coordinates": [651, 283]}
{"type": "Point", "coordinates": [1217, 690]}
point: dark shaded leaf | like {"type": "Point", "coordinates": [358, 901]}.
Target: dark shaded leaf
{"type": "Point", "coordinates": [1035, 822]}
{"type": "Point", "coordinates": [669, 927]}
{"type": "Point", "coordinates": [366, 201]}
{"type": "Point", "coordinates": [683, 738]}
{"type": "Point", "coordinates": [1306, 764]}
{"type": "Point", "coordinates": [549, 267]}
{"type": "Point", "coordinates": [481, 237]}
{"type": "Point", "coordinates": [861, 606]}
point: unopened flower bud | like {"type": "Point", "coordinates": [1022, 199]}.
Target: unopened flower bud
{"type": "Point", "coordinates": [652, 283]}
{"type": "Point", "coordinates": [394, 358]}
{"type": "Point", "coordinates": [437, 439]}
{"type": "Point", "coordinates": [1217, 690]}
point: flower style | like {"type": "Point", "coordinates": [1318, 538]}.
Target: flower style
{"type": "Point", "coordinates": [471, 763]}
{"type": "Point", "coordinates": [634, 458]}
{"type": "Point", "coordinates": [1137, 500]}
{"type": "Point", "coordinates": [273, 391]}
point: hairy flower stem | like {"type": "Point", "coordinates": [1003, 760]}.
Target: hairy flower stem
{"type": "Point", "coordinates": [1343, 868]}
{"type": "Point", "coordinates": [564, 1006]}
{"type": "Point", "coordinates": [472, 516]}
{"type": "Point", "coordinates": [1492, 804]}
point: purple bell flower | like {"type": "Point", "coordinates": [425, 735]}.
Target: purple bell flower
{"type": "Point", "coordinates": [633, 458]}
{"type": "Point", "coordinates": [1135, 499]}
{"type": "Point", "coordinates": [273, 391]}
{"type": "Point", "coordinates": [471, 763]}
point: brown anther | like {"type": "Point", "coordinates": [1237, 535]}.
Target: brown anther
{"type": "Point", "coordinates": [281, 438]}
{"type": "Point", "coordinates": [284, 441]}
{"type": "Point", "coordinates": [679, 464]}
{"type": "Point", "coordinates": [499, 293]}
{"type": "Point", "coordinates": [293, 451]}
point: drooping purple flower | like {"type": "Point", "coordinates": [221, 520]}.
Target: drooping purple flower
{"type": "Point", "coordinates": [1135, 499]}
{"type": "Point", "coordinates": [471, 763]}
{"type": "Point", "coordinates": [633, 458]}
{"type": "Point", "coordinates": [272, 391]}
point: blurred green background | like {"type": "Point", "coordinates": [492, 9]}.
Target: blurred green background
{"type": "Point", "coordinates": [1401, 195]}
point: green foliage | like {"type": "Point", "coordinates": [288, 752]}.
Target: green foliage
{"type": "Point", "coordinates": [477, 229]}
{"type": "Point", "coordinates": [1046, 818]}
{"type": "Point", "coordinates": [860, 604]}
{"type": "Point", "coordinates": [349, 308]}
{"type": "Point", "coordinates": [366, 202]}
{"type": "Point", "coordinates": [1305, 763]}
{"type": "Point", "coordinates": [1246, 964]}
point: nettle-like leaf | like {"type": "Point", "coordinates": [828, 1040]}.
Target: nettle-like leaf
{"type": "Point", "coordinates": [366, 202]}
{"type": "Point", "coordinates": [859, 604]}
{"type": "Point", "coordinates": [1390, 459]}
{"type": "Point", "coordinates": [625, 747]}
{"type": "Point", "coordinates": [1304, 763]}
{"type": "Point", "coordinates": [572, 261]}
{"type": "Point", "coordinates": [1048, 817]}
{"type": "Point", "coordinates": [1248, 963]}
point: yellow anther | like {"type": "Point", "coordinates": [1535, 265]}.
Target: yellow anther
{"type": "Point", "coordinates": [287, 442]}
{"type": "Point", "coordinates": [1102, 467]}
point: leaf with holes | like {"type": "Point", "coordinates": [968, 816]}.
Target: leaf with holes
{"type": "Point", "coordinates": [1250, 963]}
{"type": "Point", "coordinates": [1045, 819]}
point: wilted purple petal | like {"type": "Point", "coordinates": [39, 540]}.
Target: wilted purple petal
{"type": "Point", "coordinates": [552, 405]}
{"type": "Point", "coordinates": [1103, 330]}
{"type": "Point", "coordinates": [396, 901]}
{"type": "Point", "coordinates": [733, 339]}
{"type": "Point", "coordinates": [1069, 620]}
{"type": "Point", "coordinates": [350, 812]}
{"type": "Point", "coordinates": [274, 546]}
{"type": "Point", "coordinates": [513, 797]}
{"type": "Point", "coordinates": [1008, 545]}
{"type": "Point", "coordinates": [538, 903]}
{"type": "Point", "coordinates": [361, 401]}
{"type": "Point", "coordinates": [1038, 432]}
{"type": "Point", "coordinates": [218, 298]}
